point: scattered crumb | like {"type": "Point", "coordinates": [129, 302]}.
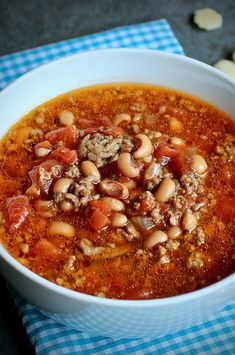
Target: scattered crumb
{"type": "Point", "coordinates": [208, 19]}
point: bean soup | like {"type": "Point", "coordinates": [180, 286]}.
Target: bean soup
{"type": "Point", "coordinates": [123, 191]}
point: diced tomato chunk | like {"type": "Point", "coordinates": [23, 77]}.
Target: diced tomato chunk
{"type": "Point", "coordinates": [46, 249]}
{"type": "Point", "coordinates": [164, 208]}
{"type": "Point", "coordinates": [64, 155]}
{"type": "Point", "coordinates": [86, 123]}
{"type": "Point", "coordinates": [68, 135]}
{"type": "Point", "coordinates": [146, 206]}
{"type": "Point", "coordinates": [225, 208]}
{"type": "Point", "coordinates": [18, 209]}
{"type": "Point", "coordinates": [90, 130]}
{"type": "Point", "coordinates": [166, 151]}
{"type": "Point", "coordinates": [101, 205]}
{"type": "Point", "coordinates": [175, 159]}
{"type": "Point", "coordinates": [177, 165]}
{"type": "Point", "coordinates": [39, 178]}
{"type": "Point", "coordinates": [98, 220]}
{"type": "Point", "coordinates": [115, 132]}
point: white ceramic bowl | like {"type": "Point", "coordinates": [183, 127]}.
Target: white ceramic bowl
{"type": "Point", "coordinates": [116, 318]}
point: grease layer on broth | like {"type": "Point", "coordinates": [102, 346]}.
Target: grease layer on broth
{"type": "Point", "coordinates": [121, 191]}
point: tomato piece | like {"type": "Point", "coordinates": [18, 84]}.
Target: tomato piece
{"type": "Point", "coordinates": [146, 206]}
{"type": "Point", "coordinates": [164, 208]}
{"type": "Point", "coordinates": [64, 155]}
{"type": "Point", "coordinates": [47, 250]}
{"type": "Point", "coordinates": [101, 205]}
{"type": "Point", "coordinates": [98, 219]}
{"type": "Point", "coordinates": [86, 123]}
{"type": "Point", "coordinates": [166, 151]}
{"type": "Point", "coordinates": [174, 158]}
{"type": "Point", "coordinates": [18, 209]}
{"type": "Point", "coordinates": [45, 208]}
{"type": "Point", "coordinates": [90, 130]}
{"type": "Point", "coordinates": [68, 135]}
{"type": "Point", "coordinates": [105, 121]}
{"type": "Point", "coordinates": [39, 178]}
{"type": "Point", "coordinates": [177, 165]}
{"type": "Point", "coordinates": [225, 208]}
{"type": "Point", "coordinates": [115, 132]}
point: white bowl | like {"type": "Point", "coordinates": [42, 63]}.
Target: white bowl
{"type": "Point", "coordinates": [116, 318]}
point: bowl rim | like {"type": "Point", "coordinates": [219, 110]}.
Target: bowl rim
{"type": "Point", "coordinates": [78, 296]}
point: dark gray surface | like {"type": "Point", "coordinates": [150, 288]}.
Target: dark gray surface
{"type": "Point", "coordinates": [26, 24]}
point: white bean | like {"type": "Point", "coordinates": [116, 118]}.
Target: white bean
{"type": "Point", "coordinates": [121, 118]}
{"type": "Point", "coordinates": [177, 141]}
{"type": "Point", "coordinates": [166, 190]}
{"type": "Point", "coordinates": [152, 171]}
{"type": "Point", "coordinates": [174, 232]}
{"type": "Point", "coordinates": [130, 184]}
{"type": "Point", "coordinates": [118, 220]}
{"type": "Point", "coordinates": [155, 238]}
{"type": "Point", "coordinates": [127, 165]}
{"type": "Point", "coordinates": [62, 185]}
{"type": "Point", "coordinates": [25, 248]}
{"type": "Point", "coordinates": [114, 204]}
{"type": "Point", "coordinates": [62, 228]}
{"type": "Point", "coordinates": [89, 168]}
{"type": "Point", "coordinates": [145, 148]}
{"type": "Point", "coordinates": [114, 188]}
{"type": "Point", "coordinates": [199, 164]}
{"type": "Point", "coordinates": [42, 152]}
{"type": "Point", "coordinates": [175, 124]}
{"type": "Point", "coordinates": [66, 118]}
{"type": "Point", "coordinates": [189, 221]}
{"type": "Point", "coordinates": [66, 206]}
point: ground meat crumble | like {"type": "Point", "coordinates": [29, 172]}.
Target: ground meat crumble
{"type": "Point", "coordinates": [102, 149]}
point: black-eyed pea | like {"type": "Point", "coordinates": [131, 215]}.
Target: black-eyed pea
{"type": "Point", "coordinates": [62, 185]}
{"type": "Point", "coordinates": [127, 165]}
{"type": "Point", "coordinates": [189, 221]}
{"type": "Point", "coordinates": [177, 141]}
{"type": "Point", "coordinates": [130, 184]}
{"type": "Point", "coordinates": [175, 124]}
{"type": "Point", "coordinates": [61, 228]}
{"type": "Point", "coordinates": [152, 171]}
{"type": "Point", "coordinates": [199, 164]}
{"type": "Point", "coordinates": [174, 232]}
{"type": "Point", "coordinates": [66, 118]}
{"type": "Point", "coordinates": [122, 118]}
{"type": "Point", "coordinates": [145, 148]}
{"type": "Point", "coordinates": [157, 237]}
{"type": "Point", "coordinates": [114, 204]}
{"type": "Point", "coordinates": [166, 190]}
{"type": "Point", "coordinates": [66, 206]}
{"type": "Point", "coordinates": [114, 189]}
{"type": "Point", "coordinates": [118, 220]}
{"type": "Point", "coordinates": [42, 152]}
{"type": "Point", "coordinates": [89, 168]}
{"type": "Point", "coordinates": [25, 248]}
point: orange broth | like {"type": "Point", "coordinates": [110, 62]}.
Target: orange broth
{"type": "Point", "coordinates": [123, 266]}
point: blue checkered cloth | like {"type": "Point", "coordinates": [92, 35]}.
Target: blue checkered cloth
{"type": "Point", "coordinates": [217, 334]}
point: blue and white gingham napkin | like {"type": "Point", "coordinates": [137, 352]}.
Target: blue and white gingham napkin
{"type": "Point", "coordinates": [217, 334]}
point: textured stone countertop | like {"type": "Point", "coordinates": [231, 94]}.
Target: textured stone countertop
{"type": "Point", "coordinates": [33, 23]}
